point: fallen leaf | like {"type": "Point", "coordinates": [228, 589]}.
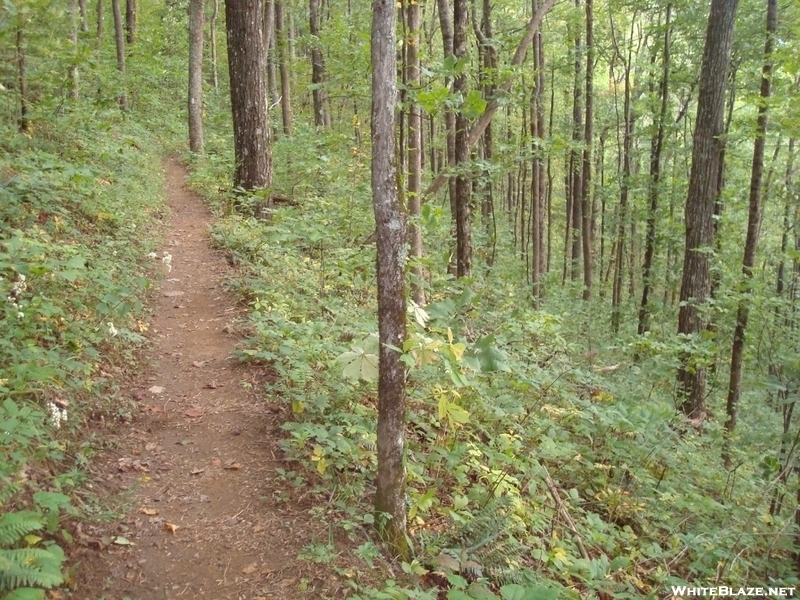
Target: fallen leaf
{"type": "Point", "coordinates": [258, 528]}
{"type": "Point", "coordinates": [156, 389]}
{"type": "Point", "coordinates": [150, 447]}
{"type": "Point", "coordinates": [212, 385]}
{"type": "Point", "coordinates": [234, 466]}
{"type": "Point", "coordinates": [123, 541]}
{"type": "Point", "coordinates": [195, 412]}
{"type": "Point", "coordinates": [139, 394]}
{"type": "Point", "coordinates": [150, 512]}
{"type": "Point", "coordinates": [196, 471]}
{"type": "Point", "coordinates": [155, 409]}
{"type": "Point", "coordinates": [173, 294]}
{"type": "Point", "coordinates": [171, 527]}
{"type": "Point", "coordinates": [183, 442]}
{"type": "Point", "coordinates": [199, 363]}
{"type": "Point", "coordinates": [216, 462]}
{"type": "Point", "coordinates": [251, 568]}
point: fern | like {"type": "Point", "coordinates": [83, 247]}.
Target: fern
{"type": "Point", "coordinates": [25, 594]}
{"type": "Point", "coordinates": [14, 526]}
{"type": "Point", "coordinates": [26, 567]}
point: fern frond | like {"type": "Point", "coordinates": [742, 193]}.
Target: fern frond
{"type": "Point", "coordinates": [29, 567]}
{"type": "Point", "coordinates": [15, 525]}
{"type": "Point", "coordinates": [25, 594]}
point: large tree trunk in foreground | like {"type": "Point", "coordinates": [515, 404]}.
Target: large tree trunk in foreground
{"type": "Point", "coordinates": [247, 64]}
{"type": "Point", "coordinates": [390, 504]}
{"type": "Point", "coordinates": [321, 113]}
{"type": "Point", "coordinates": [196, 75]}
{"type": "Point", "coordinates": [706, 157]}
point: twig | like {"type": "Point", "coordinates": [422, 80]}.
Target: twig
{"type": "Point", "coordinates": [562, 509]}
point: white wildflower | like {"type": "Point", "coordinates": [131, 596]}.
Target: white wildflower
{"type": "Point", "coordinates": [167, 260]}
{"type": "Point", "coordinates": [57, 415]}
{"type": "Point", "coordinates": [19, 286]}
{"type": "Point", "coordinates": [111, 329]}
{"type": "Point", "coordinates": [20, 315]}
{"type": "Point", "coordinates": [152, 255]}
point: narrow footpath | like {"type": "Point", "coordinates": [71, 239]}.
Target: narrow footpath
{"type": "Point", "coordinates": [206, 517]}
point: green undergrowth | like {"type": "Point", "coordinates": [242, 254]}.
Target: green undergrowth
{"type": "Point", "coordinates": [78, 198]}
{"type": "Point", "coordinates": [533, 471]}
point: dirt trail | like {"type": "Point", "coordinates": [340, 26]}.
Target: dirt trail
{"type": "Point", "coordinates": [205, 520]}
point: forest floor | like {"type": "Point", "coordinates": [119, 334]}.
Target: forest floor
{"type": "Point", "coordinates": [196, 467]}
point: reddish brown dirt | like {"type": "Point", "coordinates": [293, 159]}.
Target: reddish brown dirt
{"type": "Point", "coordinates": [204, 515]}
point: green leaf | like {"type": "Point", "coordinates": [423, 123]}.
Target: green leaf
{"type": "Point", "coordinates": [359, 365]}
{"type": "Point", "coordinates": [474, 105]}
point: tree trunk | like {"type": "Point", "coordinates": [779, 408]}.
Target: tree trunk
{"type": "Point", "coordinates": [390, 505]}
{"type": "Point", "coordinates": [537, 169]}
{"type": "Point", "coordinates": [283, 66]}
{"type": "Point", "coordinates": [130, 20]}
{"type": "Point", "coordinates": [99, 20]}
{"type": "Point", "coordinates": [196, 76]}
{"type": "Point", "coordinates": [446, 26]}
{"type": "Point", "coordinates": [575, 158]}
{"type": "Point", "coordinates": [272, 51]}
{"type": "Point", "coordinates": [24, 120]}
{"type": "Point", "coordinates": [247, 68]}
{"type": "Point", "coordinates": [73, 69]}
{"type": "Point", "coordinates": [462, 147]}
{"type": "Point", "coordinates": [753, 223]}
{"type": "Point", "coordinates": [318, 77]}
{"type": "Point", "coordinates": [414, 186]}
{"type": "Point", "coordinates": [706, 151]}
{"type": "Point", "coordinates": [656, 146]}
{"type": "Point", "coordinates": [586, 184]}
{"type": "Point", "coordinates": [119, 36]}
{"type": "Point", "coordinates": [213, 31]}
{"type": "Point", "coordinates": [84, 16]}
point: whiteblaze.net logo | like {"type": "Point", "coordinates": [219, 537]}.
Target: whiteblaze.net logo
{"type": "Point", "coordinates": [722, 591]}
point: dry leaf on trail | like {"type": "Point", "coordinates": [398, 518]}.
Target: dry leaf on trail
{"type": "Point", "coordinates": [216, 463]}
{"type": "Point", "coordinates": [122, 541]}
{"type": "Point", "coordinates": [139, 394]}
{"type": "Point", "coordinates": [173, 294]}
{"type": "Point", "coordinates": [150, 447]}
{"type": "Point", "coordinates": [171, 527]}
{"type": "Point", "coordinates": [200, 363]}
{"type": "Point", "coordinates": [196, 471]}
{"type": "Point", "coordinates": [156, 389]}
{"type": "Point", "coordinates": [212, 385]}
{"type": "Point", "coordinates": [233, 466]}
{"type": "Point", "coordinates": [251, 568]}
{"type": "Point", "coordinates": [195, 412]}
{"type": "Point", "coordinates": [150, 512]}
{"type": "Point", "coordinates": [155, 409]}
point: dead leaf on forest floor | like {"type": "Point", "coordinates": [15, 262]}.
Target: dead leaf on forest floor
{"type": "Point", "coordinates": [172, 528]}
{"type": "Point", "coordinates": [156, 389]}
{"type": "Point", "coordinates": [150, 512]}
{"type": "Point", "coordinates": [195, 412]}
{"type": "Point", "coordinates": [212, 385]}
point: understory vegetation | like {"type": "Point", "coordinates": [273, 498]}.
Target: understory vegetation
{"type": "Point", "coordinates": [545, 456]}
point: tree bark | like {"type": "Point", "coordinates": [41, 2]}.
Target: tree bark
{"type": "Point", "coordinates": [446, 26]}
{"type": "Point", "coordinates": [73, 70]}
{"type": "Point", "coordinates": [318, 77]}
{"type": "Point", "coordinates": [390, 506]}
{"type": "Point", "coordinates": [414, 157]}
{"type": "Point", "coordinates": [575, 161]}
{"type": "Point", "coordinates": [213, 34]}
{"type": "Point", "coordinates": [753, 224]}
{"type": "Point", "coordinates": [119, 37]}
{"type": "Point", "coordinates": [130, 20]}
{"type": "Point", "coordinates": [706, 151]}
{"type": "Point", "coordinates": [538, 175]}
{"type": "Point", "coordinates": [22, 75]}
{"type": "Point", "coordinates": [99, 20]}
{"type": "Point", "coordinates": [656, 146]}
{"type": "Point", "coordinates": [588, 134]}
{"type": "Point", "coordinates": [196, 76]}
{"type": "Point", "coordinates": [246, 65]}
{"type": "Point", "coordinates": [462, 147]}
{"type": "Point", "coordinates": [272, 50]}
{"type": "Point", "coordinates": [84, 16]}
{"type": "Point", "coordinates": [281, 42]}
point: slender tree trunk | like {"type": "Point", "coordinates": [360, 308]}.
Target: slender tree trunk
{"type": "Point", "coordinates": [130, 21]}
{"type": "Point", "coordinates": [318, 77]}
{"type": "Point", "coordinates": [390, 505]}
{"type": "Point", "coordinates": [213, 35]}
{"type": "Point", "coordinates": [656, 146]}
{"type": "Point", "coordinates": [22, 75]}
{"type": "Point", "coordinates": [586, 184]}
{"type": "Point", "coordinates": [272, 51]}
{"type": "Point", "coordinates": [414, 186]}
{"type": "Point", "coordinates": [283, 66]}
{"type": "Point", "coordinates": [706, 151]}
{"type": "Point", "coordinates": [537, 169]}
{"type": "Point", "coordinates": [575, 158]}
{"type": "Point", "coordinates": [119, 36]}
{"type": "Point", "coordinates": [73, 70]}
{"type": "Point", "coordinates": [196, 76]}
{"type": "Point", "coordinates": [247, 68]}
{"type": "Point", "coordinates": [446, 26]}
{"type": "Point", "coordinates": [84, 16]}
{"type": "Point", "coordinates": [753, 223]}
{"type": "Point", "coordinates": [462, 148]}
{"type": "Point", "coordinates": [99, 20]}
